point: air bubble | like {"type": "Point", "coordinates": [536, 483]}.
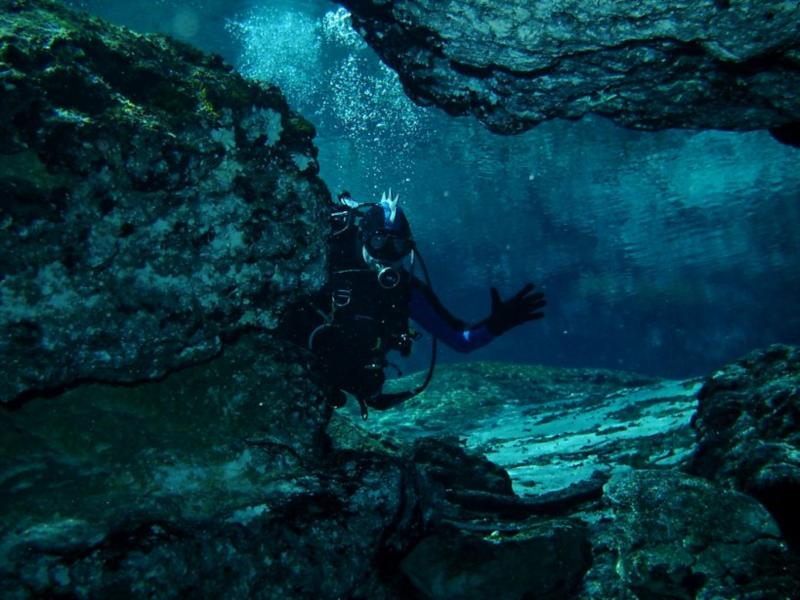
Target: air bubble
{"type": "Point", "coordinates": [331, 76]}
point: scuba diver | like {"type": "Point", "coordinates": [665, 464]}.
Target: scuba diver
{"type": "Point", "coordinates": [363, 311]}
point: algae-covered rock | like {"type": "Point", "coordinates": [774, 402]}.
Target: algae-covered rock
{"type": "Point", "coordinates": [645, 64]}
{"type": "Point", "coordinates": [154, 202]}
{"type": "Point", "coordinates": [671, 535]}
{"type": "Point", "coordinates": [538, 561]}
{"type": "Point", "coordinates": [212, 482]}
{"type": "Point", "coordinates": [748, 429]}
{"type": "Point", "coordinates": [222, 480]}
{"type": "Point", "coordinates": [602, 452]}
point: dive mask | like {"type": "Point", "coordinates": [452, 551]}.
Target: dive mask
{"type": "Point", "coordinates": [388, 247]}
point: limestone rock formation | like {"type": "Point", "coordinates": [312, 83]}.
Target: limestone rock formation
{"type": "Point", "coordinates": [515, 414]}
{"type": "Point", "coordinates": [647, 65]}
{"type": "Point", "coordinates": [597, 463]}
{"type": "Point", "coordinates": [226, 479]}
{"type": "Point", "coordinates": [748, 426]}
{"type": "Point", "coordinates": [478, 538]}
{"type": "Point", "coordinates": [546, 560]}
{"type": "Point", "coordinates": [153, 202]}
{"type": "Point", "coordinates": [212, 482]}
{"type": "Point", "coordinates": [677, 536]}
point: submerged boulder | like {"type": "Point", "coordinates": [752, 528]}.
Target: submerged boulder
{"type": "Point", "coordinates": [477, 539]}
{"type": "Point", "coordinates": [748, 428]}
{"type": "Point", "coordinates": [214, 482]}
{"type": "Point", "coordinates": [545, 560]}
{"type": "Point", "coordinates": [671, 535]}
{"type": "Point", "coordinates": [154, 202]}
{"type": "Point", "coordinates": [648, 65]}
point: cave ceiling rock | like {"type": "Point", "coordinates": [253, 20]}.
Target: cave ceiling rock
{"type": "Point", "coordinates": [651, 65]}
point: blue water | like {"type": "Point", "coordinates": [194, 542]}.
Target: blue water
{"type": "Point", "coordinates": [666, 253]}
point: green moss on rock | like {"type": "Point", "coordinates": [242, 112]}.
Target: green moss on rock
{"type": "Point", "coordinates": [124, 161]}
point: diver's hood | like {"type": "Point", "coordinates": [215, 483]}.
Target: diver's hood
{"type": "Point", "coordinates": [385, 232]}
{"type": "Point", "coordinates": [386, 243]}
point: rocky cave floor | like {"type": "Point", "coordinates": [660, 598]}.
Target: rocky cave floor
{"type": "Point", "coordinates": [623, 485]}
{"type": "Point", "coordinates": [501, 480]}
{"type": "Point", "coordinates": [551, 429]}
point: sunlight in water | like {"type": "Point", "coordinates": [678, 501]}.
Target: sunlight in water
{"type": "Point", "coordinates": [282, 47]}
{"type": "Point", "coordinates": [330, 75]}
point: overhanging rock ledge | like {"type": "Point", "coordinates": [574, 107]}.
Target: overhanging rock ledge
{"type": "Point", "coordinates": [651, 65]}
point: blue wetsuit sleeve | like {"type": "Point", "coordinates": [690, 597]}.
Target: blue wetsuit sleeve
{"type": "Point", "coordinates": [429, 313]}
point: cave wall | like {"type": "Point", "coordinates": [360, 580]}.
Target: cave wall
{"type": "Point", "coordinates": [154, 202]}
